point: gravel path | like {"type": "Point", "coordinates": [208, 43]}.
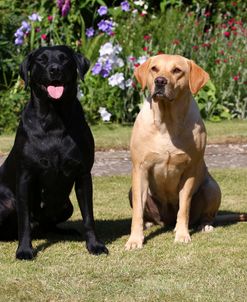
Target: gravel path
{"type": "Point", "coordinates": [216, 156]}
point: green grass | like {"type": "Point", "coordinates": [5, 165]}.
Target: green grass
{"type": "Point", "coordinates": [114, 136]}
{"type": "Point", "coordinates": [227, 131]}
{"type": "Point", "coordinates": [211, 268]}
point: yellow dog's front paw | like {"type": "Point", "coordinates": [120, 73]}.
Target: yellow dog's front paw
{"type": "Point", "coordinates": [134, 242]}
{"type": "Point", "coordinates": [182, 237]}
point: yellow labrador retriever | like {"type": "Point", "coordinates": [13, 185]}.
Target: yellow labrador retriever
{"type": "Point", "coordinates": [170, 181]}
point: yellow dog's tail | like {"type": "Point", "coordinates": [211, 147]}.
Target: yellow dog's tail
{"type": "Point", "coordinates": [228, 218]}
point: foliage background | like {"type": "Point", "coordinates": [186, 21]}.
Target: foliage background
{"type": "Point", "coordinates": [212, 33]}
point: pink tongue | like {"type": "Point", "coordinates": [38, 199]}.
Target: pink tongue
{"type": "Point", "coordinates": [55, 91]}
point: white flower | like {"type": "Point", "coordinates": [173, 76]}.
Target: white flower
{"type": "Point", "coordinates": [144, 12]}
{"type": "Point", "coordinates": [117, 49]}
{"type": "Point", "coordinates": [117, 79]}
{"type": "Point", "coordinates": [119, 62]}
{"type": "Point", "coordinates": [79, 93]}
{"type": "Point", "coordinates": [105, 115]}
{"type": "Point", "coordinates": [35, 17]}
{"type": "Point", "coordinates": [134, 12]}
{"type": "Point", "coordinates": [142, 59]}
{"type": "Point", "coordinates": [106, 49]}
{"type": "Point", "coordinates": [128, 83]}
{"type": "Point", "coordinates": [146, 6]}
{"type": "Point", "coordinates": [139, 2]}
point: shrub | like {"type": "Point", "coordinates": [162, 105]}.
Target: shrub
{"type": "Point", "coordinates": [211, 33]}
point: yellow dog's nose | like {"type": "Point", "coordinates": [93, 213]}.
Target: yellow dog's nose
{"type": "Point", "coordinates": [161, 81]}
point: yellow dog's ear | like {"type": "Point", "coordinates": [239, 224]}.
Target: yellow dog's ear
{"type": "Point", "coordinates": [198, 77]}
{"type": "Point", "coordinates": [141, 73]}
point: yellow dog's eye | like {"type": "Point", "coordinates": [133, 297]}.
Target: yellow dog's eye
{"type": "Point", "coordinates": [176, 70]}
{"type": "Point", "coordinates": [155, 69]}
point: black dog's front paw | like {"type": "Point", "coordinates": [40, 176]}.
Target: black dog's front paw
{"type": "Point", "coordinates": [25, 254]}
{"type": "Point", "coordinates": [97, 248]}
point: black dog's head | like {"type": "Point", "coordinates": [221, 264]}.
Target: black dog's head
{"type": "Point", "coordinates": [53, 70]}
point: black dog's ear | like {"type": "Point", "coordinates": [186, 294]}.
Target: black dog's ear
{"type": "Point", "coordinates": [24, 69]}
{"type": "Point", "coordinates": [82, 64]}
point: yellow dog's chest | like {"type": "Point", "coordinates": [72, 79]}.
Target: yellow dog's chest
{"type": "Point", "coordinates": [168, 163]}
{"type": "Point", "coordinates": [165, 170]}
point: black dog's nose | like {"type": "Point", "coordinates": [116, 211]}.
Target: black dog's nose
{"type": "Point", "coordinates": [161, 81]}
{"type": "Point", "coordinates": [54, 69]}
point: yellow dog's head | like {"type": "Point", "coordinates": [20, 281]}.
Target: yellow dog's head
{"type": "Point", "coordinates": [167, 77]}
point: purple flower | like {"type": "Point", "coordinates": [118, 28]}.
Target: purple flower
{"type": "Point", "coordinates": [60, 4]}
{"type": "Point", "coordinates": [103, 69]}
{"type": "Point", "coordinates": [106, 26]}
{"type": "Point", "coordinates": [106, 69]}
{"type": "Point", "coordinates": [102, 10]}
{"type": "Point", "coordinates": [19, 33]}
{"type": "Point", "coordinates": [25, 27]}
{"type": "Point", "coordinates": [125, 6]}
{"type": "Point", "coordinates": [34, 17]}
{"type": "Point", "coordinates": [90, 32]}
{"type": "Point", "coordinates": [97, 68]}
{"type": "Point", "coordinates": [19, 41]}
{"type": "Point", "coordinates": [64, 7]}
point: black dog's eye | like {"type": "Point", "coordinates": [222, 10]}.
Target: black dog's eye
{"type": "Point", "coordinates": [62, 58]}
{"type": "Point", "coordinates": [176, 70]}
{"type": "Point", "coordinates": [155, 69]}
{"type": "Point", "coordinates": [43, 59]}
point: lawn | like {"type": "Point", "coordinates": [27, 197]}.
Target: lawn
{"type": "Point", "coordinates": [211, 268]}
{"type": "Point", "coordinates": [114, 136]}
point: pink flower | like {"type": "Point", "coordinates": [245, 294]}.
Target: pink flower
{"type": "Point", "coordinates": [145, 48]}
{"type": "Point", "coordinates": [37, 29]}
{"type": "Point", "coordinates": [206, 45]}
{"type": "Point", "coordinates": [217, 61]}
{"type": "Point", "coordinates": [78, 42]}
{"type": "Point", "coordinates": [236, 78]}
{"type": "Point", "coordinates": [43, 36]}
{"type": "Point", "coordinates": [132, 59]}
{"type": "Point", "coordinates": [207, 14]}
{"type": "Point", "coordinates": [231, 21]}
{"type": "Point", "coordinates": [137, 65]}
{"type": "Point", "coordinates": [133, 84]}
{"type": "Point", "coordinates": [195, 47]}
{"type": "Point", "coordinates": [227, 34]}
{"type": "Point", "coordinates": [147, 37]}
{"type": "Point", "coordinates": [176, 42]}
{"type": "Point", "coordinates": [233, 28]}
{"type": "Point", "coordinates": [50, 18]}
{"type": "Point", "coordinates": [239, 22]}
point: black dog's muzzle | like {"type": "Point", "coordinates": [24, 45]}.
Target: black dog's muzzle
{"type": "Point", "coordinates": [55, 71]}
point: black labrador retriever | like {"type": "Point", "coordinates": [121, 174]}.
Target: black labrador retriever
{"type": "Point", "coordinates": [53, 150]}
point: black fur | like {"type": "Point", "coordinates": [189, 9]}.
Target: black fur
{"type": "Point", "coordinates": [53, 150]}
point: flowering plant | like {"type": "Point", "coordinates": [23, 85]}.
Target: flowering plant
{"type": "Point", "coordinates": [118, 39]}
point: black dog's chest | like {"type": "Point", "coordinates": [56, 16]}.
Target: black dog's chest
{"type": "Point", "coordinates": [54, 156]}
